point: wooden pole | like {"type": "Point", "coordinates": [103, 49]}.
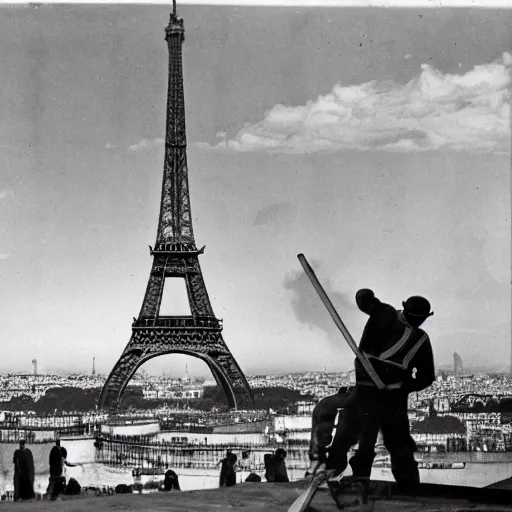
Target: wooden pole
{"type": "Point", "coordinates": [339, 323]}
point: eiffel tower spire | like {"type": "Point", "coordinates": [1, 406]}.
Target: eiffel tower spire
{"type": "Point", "coordinates": [175, 231]}
{"type": "Point", "coordinates": [175, 256]}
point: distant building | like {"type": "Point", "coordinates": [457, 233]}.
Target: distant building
{"type": "Point", "coordinates": [305, 408]}
{"type": "Point", "coordinates": [457, 364]}
{"type": "Point", "coordinates": [173, 393]}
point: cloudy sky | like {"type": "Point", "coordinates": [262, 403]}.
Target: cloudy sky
{"type": "Point", "coordinates": [375, 141]}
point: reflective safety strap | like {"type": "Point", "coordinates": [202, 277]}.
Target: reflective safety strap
{"type": "Point", "coordinates": [414, 349]}
{"type": "Point", "coordinates": [398, 345]}
{"type": "Point", "coordinates": [333, 432]}
{"type": "Point", "coordinates": [395, 385]}
{"type": "Point", "coordinates": [391, 351]}
{"type": "Point", "coordinates": [386, 361]}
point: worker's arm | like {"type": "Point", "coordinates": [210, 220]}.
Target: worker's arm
{"type": "Point", "coordinates": [380, 324]}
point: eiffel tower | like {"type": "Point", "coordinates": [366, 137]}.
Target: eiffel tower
{"type": "Point", "coordinates": [175, 255]}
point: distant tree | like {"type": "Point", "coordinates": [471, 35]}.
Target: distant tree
{"type": "Point", "coordinates": [75, 399]}
{"type": "Point", "coordinates": [67, 399]}
{"type": "Point", "coordinates": [438, 425]}
{"type": "Point", "coordinates": [505, 405]}
{"type": "Point", "coordinates": [492, 405]}
{"type": "Point", "coordinates": [19, 403]}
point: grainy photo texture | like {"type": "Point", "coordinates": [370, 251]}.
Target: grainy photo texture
{"type": "Point", "coordinates": [260, 247]}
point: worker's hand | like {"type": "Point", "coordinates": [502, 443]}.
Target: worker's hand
{"type": "Point", "coordinates": [317, 467]}
{"type": "Point", "coordinates": [331, 473]}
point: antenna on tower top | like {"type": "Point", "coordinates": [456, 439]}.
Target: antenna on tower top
{"type": "Point", "coordinates": [174, 7]}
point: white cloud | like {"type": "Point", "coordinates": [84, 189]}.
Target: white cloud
{"type": "Point", "coordinates": [146, 144]}
{"type": "Point", "coordinates": [434, 110]}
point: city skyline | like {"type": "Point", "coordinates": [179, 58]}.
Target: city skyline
{"type": "Point", "coordinates": [377, 143]}
{"type": "Point", "coordinates": [175, 372]}
{"type": "Point", "coordinates": [443, 369]}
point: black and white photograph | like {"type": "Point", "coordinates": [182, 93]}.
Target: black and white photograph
{"type": "Point", "coordinates": [264, 246]}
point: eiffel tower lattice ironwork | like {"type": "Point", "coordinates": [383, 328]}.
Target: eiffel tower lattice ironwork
{"type": "Point", "coordinates": [175, 255]}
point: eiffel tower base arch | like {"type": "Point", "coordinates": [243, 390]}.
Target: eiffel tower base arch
{"type": "Point", "coordinates": [146, 344]}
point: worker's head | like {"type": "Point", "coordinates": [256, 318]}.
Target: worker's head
{"type": "Point", "coordinates": [416, 310]}
{"type": "Point", "coordinates": [22, 443]}
{"type": "Point", "coordinates": [57, 442]}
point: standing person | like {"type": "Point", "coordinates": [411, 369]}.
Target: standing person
{"type": "Point", "coordinates": [23, 473]}
{"type": "Point", "coordinates": [227, 470]}
{"type": "Point", "coordinates": [401, 354]}
{"type": "Point", "coordinates": [276, 467]}
{"type": "Point", "coordinates": [56, 482]}
{"type": "Point", "coordinates": [231, 476]}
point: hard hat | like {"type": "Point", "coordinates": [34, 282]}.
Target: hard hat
{"type": "Point", "coordinates": [417, 306]}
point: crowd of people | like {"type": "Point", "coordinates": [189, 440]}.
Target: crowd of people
{"type": "Point", "coordinates": [275, 469]}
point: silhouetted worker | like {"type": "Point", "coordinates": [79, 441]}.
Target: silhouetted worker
{"type": "Point", "coordinates": [55, 460]}
{"type": "Point", "coordinates": [401, 355]}
{"type": "Point", "coordinates": [276, 467]}
{"type": "Point", "coordinates": [322, 447]}
{"type": "Point", "coordinates": [227, 470]}
{"type": "Point", "coordinates": [171, 481]}
{"type": "Point", "coordinates": [231, 474]}
{"type": "Point", "coordinates": [23, 473]}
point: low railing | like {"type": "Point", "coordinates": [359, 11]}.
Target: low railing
{"type": "Point", "coordinates": [129, 451]}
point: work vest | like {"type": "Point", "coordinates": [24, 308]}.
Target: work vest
{"type": "Point", "coordinates": [397, 354]}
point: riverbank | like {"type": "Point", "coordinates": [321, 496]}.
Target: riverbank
{"type": "Point", "coordinates": [246, 497]}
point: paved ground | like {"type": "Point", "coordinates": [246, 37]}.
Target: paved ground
{"type": "Point", "coordinates": [247, 497]}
